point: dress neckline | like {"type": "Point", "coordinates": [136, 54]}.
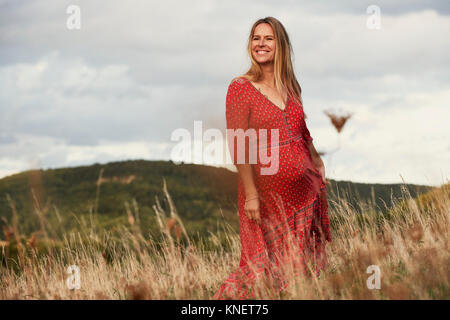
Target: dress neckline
{"type": "Point", "coordinates": [285, 104]}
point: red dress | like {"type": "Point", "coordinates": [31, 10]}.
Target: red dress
{"type": "Point", "coordinates": [293, 201]}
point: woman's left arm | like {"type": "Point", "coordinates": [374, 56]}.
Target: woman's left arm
{"type": "Point", "coordinates": [317, 160]}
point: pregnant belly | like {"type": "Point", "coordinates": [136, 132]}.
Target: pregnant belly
{"type": "Point", "coordinates": [288, 164]}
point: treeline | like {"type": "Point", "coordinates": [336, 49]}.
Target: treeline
{"type": "Point", "coordinates": [60, 200]}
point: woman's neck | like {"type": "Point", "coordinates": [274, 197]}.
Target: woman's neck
{"type": "Point", "coordinates": [267, 75]}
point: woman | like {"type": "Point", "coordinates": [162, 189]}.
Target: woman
{"type": "Point", "coordinates": [283, 215]}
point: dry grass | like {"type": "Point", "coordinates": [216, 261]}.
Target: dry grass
{"type": "Point", "coordinates": [410, 246]}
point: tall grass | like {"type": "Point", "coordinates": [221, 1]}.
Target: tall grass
{"type": "Point", "coordinates": [410, 245]}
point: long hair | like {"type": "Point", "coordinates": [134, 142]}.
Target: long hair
{"type": "Point", "coordinates": [285, 80]}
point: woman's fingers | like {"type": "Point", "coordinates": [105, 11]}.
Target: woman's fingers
{"type": "Point", "coordinates": [252, 210]}
{"type": "Point", "coordinates": [252, 214]}
{"type": "Point", "coordinates": [258, 217]}
{"type": "Point", "coordinates": [255, 216]}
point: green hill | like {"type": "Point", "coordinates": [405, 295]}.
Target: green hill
{"type": "Point", "coordinates": [205, 196]}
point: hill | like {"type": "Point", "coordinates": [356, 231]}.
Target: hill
{"type": "Point", "coordinates": [99, 194]}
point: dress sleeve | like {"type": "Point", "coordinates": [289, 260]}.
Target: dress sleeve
{"type": "Point", "coordinates": [305, 131]}
{"type": "Point", "coordinates": [237, 117]}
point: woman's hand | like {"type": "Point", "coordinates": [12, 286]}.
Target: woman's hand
{"type": "Point", "coordinates": [251, 208]}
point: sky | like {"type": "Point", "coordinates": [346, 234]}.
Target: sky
{"type": "Point", "coordinates": [134, 72]}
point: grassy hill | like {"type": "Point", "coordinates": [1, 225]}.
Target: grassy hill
{"type": "Point", "coordinates": [67, 198]}
{"type": "Point", "coordinates": [408, 243]}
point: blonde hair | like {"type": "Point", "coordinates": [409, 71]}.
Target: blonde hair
{"type": "Point", "coordinates": [285, 80]}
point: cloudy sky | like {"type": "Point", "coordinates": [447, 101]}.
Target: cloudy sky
{"type": "Point", "coordinates": [118, 87]}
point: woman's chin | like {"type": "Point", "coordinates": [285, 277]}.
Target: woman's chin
{"type": "Point", "coordinates": [262, 59]}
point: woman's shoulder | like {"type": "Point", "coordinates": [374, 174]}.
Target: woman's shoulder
{"type": "Point", "coordinates": [238, 87]}
{"type": "Point", "coordinates": [238, 80]}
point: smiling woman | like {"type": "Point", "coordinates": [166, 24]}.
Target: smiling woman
{"type": "Point", "coordinates": [283, 215]}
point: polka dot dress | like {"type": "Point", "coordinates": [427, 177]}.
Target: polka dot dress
{"type": "Point", "coordinates": [293, 200]}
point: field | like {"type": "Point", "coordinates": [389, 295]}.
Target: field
{"type": "Point", "coordinates": [409, 243]}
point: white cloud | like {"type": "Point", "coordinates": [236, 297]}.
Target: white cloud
{"type": "Point", "coordinates": [48, 152]}
{"type": "Point", "coordinates": [118, 87]}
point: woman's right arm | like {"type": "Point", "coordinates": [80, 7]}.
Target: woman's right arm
{"type": "Point", "coordinates": [251, 206]}
{"type": "Point", "coordinates": [237, 115]}
{"type": "Point", "coordinates": [245, 171]}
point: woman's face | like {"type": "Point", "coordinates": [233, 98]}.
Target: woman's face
{"type": "Point", "coordinates": [263, 43]}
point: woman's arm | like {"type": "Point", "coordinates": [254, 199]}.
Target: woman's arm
{"type": "Point", "coordinates": [246, 173]}
{"type": "Point", "coordinates": [312, 150]}
{"type": "Point", "coordinates": [317, 160]}
{"type": "Point", "coordinates": [251, 206]}
{"type": "Point", "coordinates": [237, 115]}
